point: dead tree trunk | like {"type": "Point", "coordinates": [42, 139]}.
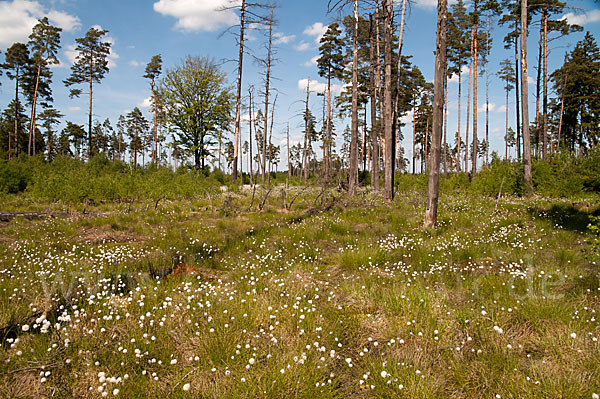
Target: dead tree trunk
{"type": "Point", "coordinates": [238, 101]}
{"type": "Point", "coordinates": [267, 81]}
{"type": "Point", "coordinates": [305, 155]}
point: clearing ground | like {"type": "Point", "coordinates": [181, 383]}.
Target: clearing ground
{"type": "Point", "coordinates": [326, 300]}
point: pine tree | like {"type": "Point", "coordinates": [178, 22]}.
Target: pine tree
{"type": "Point", "coordinates": [331, 66]}
{"type": "Point", "coordinates": [137, 128]}
{"type": "Point", "coordinates": [50, 117]}
{"type": "Point", "coordinates": [507, 74]}
{"type": "Point", "coordinates": [17, 59]}
{"type": "Point", "coordinates": [458, 53]}
{"type": "Point", "coordinates": [7, 127]}
{"type": "Point", "coordinates": [44, 43]}
{"type": "Point", "coordinates": [90, 66]}
{"type": "Point", "coordinates": [577, 82]}
{"type": "Point", "coordinates": [153, 70]}
{"type": "Point", "coordinates": [76, 135]}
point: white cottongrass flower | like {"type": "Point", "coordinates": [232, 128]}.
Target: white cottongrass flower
{"type": "Point", "coordinates": [186, 387]}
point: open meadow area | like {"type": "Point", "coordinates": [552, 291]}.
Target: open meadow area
{"type": "Point", "coordinates": [333, 298]}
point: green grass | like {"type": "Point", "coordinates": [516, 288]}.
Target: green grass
{"type": "Point", "coordinates": [353, 302]}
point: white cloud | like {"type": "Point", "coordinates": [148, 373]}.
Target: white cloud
{"type": "Point", "coordinates": [493, 108]}
{"type": "Point", "coordinates": [582, 19]}
{"type": "Point", "coordinates": [72, 109]}
{"type": "Point", "coordinates": [302, 46]}
{"type": "Point", "coordinates": [407, 118]}
{"type": "Point", "coordinates": [464, 71]}
{"type": "Point", "coordinates": [245, 118]}
{"type": "Point", "coordinates": [18, 17]}
{"type": "Point", "coordinates": [194, 15]}
{"type": "Point", "coordinates": [530, 80]}
{"type": "Point", "coordinates": [426, 3]}
{"type": "Point", "coordinates": [317, 30]}
{"type": "Point", "coordinates": [135, 63]}
{"type": "Point", "coordinates": [312, 62]}
{"type": "Point", "coordinates": [319, 87]}
{"type": "Point", "coordinates": [280, 38]}
{"type": "Point", "coordinates": [145, 103]}
{"type": "Point", "coordinates": [66, 21]}
{"type": "Point", "coordinates": [429, 4]}
{"type": "Point", "coordinates": [501, 109]}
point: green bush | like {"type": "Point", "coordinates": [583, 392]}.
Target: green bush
{"type": "Point", "coordinates": [14, 177]}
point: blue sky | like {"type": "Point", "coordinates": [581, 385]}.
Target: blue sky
{"type": "Point", "coordinates": [177, 28]}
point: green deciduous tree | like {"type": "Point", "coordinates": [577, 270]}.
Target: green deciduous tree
{"type": "Point", "coordinates": [198, 103]}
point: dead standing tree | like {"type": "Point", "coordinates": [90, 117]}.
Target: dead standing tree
{"type": "Point", "coordinates": [248, 15]}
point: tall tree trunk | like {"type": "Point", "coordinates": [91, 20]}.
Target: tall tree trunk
{"type": "Point", "coordinates": [238, 99]}
{"type": "Point", "coordinates": [506, 125]}
{"type": "Point", "coordinates": [458, 144]}
{"type": "Point", "coordinates": [33, 104]}
{"type": "Point", "coordinates": [518, 98]}
{"type": "Point", "coordinates": [326, 144]}
{"type": "Point", "coordinates": [288, 153]}
{"type": "Point", "coordinates": [545, 95]}
{"type": "Point", "coordinates": [525, 103]}
{"type": "Point", "coordinates": [90, 110]}
{"type": "Point", "coordinates": [562, 106]}
{"type": "Point", "coordinates": [438, 104]}
{"type": "Point", "coordinates": [474, 151]}
{"type": "Point", "coordinates": [374, 130]}
{"type": "Point", "coordinates": [268, 80]}
{"type": "Point", "coordinates": [353, 173]}
{"type": "Point", "coordinates": [16, 115]}
{"type": "Point", "coordinates": [387, 94]}
{"type": "Point", "coordinates": [270, 136]}
{"type": "Point", "coordinates": [445, 146]}
{"type": "Point", "coordinates": [538, 85]}
{"type": "Point", "coordinates": [305, 156]}
{"type": "Point", "coordinates": [469, 105]}
{"type": "Point", "coordinates": [155, 130]}
{"type": "Point", "coordinates": [414, 141]}
{"type": "Point", "coordinates": [396, 125]}
{"type": "Point", "coordinates": [487, 93]}
{"type": "Point", "coordinates": [250, 132]}
{"type": "Point", "coordinates": [379, 79]}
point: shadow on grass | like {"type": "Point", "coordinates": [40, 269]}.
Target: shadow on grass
{"type": "Point", "coordinates": [574, 217]}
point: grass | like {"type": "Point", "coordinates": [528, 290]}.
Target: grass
{"type": "Point", "coordinates": [357, 301]}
